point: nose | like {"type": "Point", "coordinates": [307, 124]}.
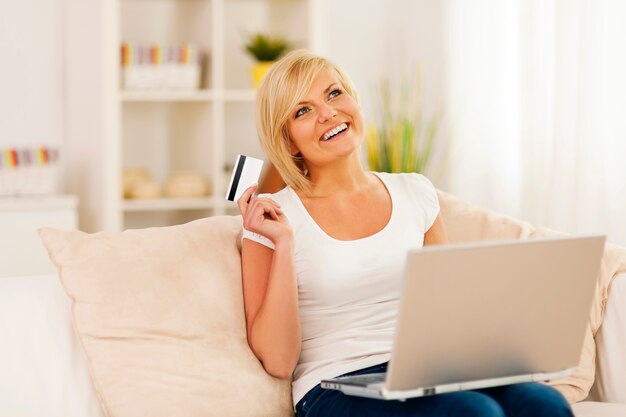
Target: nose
{"type": "Point", "coordinates": [326, 112]}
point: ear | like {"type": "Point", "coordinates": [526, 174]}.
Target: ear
{"type": "Point", "coordinates": [293, 149]}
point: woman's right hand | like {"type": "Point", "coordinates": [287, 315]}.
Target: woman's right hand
{"type": "Point", "coordinates": [264, 216]}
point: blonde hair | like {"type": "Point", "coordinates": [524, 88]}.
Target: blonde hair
{"type": "Point", "coordinates": [283, 87]}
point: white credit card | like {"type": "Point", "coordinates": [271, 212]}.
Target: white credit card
{"type": "Point", "coordinates": [246, 173]}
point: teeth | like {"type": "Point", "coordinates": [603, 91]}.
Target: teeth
{"type": "Point", "coordinates": [336, 130]}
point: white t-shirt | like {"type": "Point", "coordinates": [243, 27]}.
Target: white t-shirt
{"type": "Point", "coordinates": [348, 291]}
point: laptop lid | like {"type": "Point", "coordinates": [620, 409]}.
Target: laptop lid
{"type": "Point", "coordinates": [492, 310]}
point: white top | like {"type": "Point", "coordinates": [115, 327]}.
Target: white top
{"type": "Point", "coordinates": [348, 291]}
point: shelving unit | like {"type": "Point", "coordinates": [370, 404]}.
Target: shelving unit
{"type": "Point", "coordinates": [164, 204]}
{"type": "Point", "coordinates": [202, 95]}
{"type": "Point", "coordinates": [200, 130]}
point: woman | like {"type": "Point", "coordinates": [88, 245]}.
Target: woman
{"type": "Point", "coordinates": [322, 259]}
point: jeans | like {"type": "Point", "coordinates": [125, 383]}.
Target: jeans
{"type": "Point", "coordinates": [517, 400]}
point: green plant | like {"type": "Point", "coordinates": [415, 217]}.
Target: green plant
{"type": "Point", "coordinates": [266, 48]}
{"type": "Point", "coordinates": [404, 139]}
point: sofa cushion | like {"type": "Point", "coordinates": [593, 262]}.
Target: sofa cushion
{"type": "Point", "coordinates": [466, 222]}
{"type": "Point", "coordinates": [159, 313]}
{"type": "Point", "coordinates": [595, 409]}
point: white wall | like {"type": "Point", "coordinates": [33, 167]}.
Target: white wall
{"type": "Point", "coordinates": [90, 38]}
{"type": "Point", "coordinates": [372, 39]}
{"type": "Point", "coordinates": [31, 73]}
{"type": "Point", "coordinates": [51, 87]}
{"type": "Point", "coordinates": [380, 38]}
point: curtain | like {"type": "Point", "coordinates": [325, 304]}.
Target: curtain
{"type": "Point", "coordinates": [536, 99]}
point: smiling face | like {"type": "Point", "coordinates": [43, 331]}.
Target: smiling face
{"type": "Point", "coordinates": [304, 99]}
{"type": "Point", "coordinates": [327, 122]}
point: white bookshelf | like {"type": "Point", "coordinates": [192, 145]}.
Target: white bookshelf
{"type": "Point", "coordinates": [166, 204]}
{"type": "Point", "coordinates": [202, 95]}
{"type": "Point", "coordinates": [240, 95]}
{"type": "Point", "coordinates": [199, 130]}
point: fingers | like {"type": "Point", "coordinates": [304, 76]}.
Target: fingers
{"type": "Point", "coordinates": [265, 202]}
{"type": "Point", "coordinates": [258, 206]}
{"type": "Point", "coordinates": [274, 213]}
{"type": "Point", "coordinates": [246, 200]}
{"type": "Point", "coordinates": [260, 209]}
{"type": "Point", "coordinates": [243, 201]}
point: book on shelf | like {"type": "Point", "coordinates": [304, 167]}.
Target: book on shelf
{"type": "Point", "coordinates": [161, 67]}
{"type": "Point", "coordinates": [26, 171]}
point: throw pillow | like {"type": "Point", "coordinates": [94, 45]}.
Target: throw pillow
{"type": "Point", "coordinates": [160, 315]}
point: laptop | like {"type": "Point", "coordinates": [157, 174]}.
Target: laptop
{"type": "Point", "coordinates": [486, 314]}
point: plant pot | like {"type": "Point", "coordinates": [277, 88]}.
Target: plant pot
{"type": "Point", "coordinates": [258, 72]}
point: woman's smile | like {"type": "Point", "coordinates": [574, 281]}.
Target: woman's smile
{"type": "Point", "coordinates": [326, 122]}
{"type": "Point", "coordinates": [335, 133]}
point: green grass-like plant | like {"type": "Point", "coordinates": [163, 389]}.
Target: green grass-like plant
{"type": "Point", "coordinates": [403, 140]}
{"type": "Point", "coordinates": [265, 48]}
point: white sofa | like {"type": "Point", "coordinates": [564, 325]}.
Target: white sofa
{"type": "Point", "coordinates": [126, 294]}
{"type": "Point", "coordinates": [44, 371]}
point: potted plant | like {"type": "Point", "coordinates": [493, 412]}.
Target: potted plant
{"type": "Point", "coordinates": [404, 139]}
{"type": "Point", "coordinates": [265, 49]}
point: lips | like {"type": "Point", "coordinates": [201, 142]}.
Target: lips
{"type": "Point", "coordinates": [332, 133]}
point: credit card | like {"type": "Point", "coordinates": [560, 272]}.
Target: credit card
{"type": "Point", "coordinates": [246, 172]}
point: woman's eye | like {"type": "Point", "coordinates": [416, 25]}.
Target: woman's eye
{"type": "Point", "coordinates": [335, 93]}
{"type": "Point", "coordinates": [302, 111]}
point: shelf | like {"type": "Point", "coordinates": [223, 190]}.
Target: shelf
{"type": "Point", "coordinates": [197, 95]}
{"type": "Point", "coordinates": [166, 95]}
{"type": "Point", "coordinates": [49, 202]}
{"type": "Point", "coordinates": [240, 95]}
{"type": "Point", "coordinates": [166, 204]}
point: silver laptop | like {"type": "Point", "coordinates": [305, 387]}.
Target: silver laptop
{"type": "Point", "coordinates": [486, 314]}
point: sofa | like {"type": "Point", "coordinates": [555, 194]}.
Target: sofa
{"type": "Point", "coordinates": [150, 322]}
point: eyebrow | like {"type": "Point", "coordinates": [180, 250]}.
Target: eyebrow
{"type": "Point", "coordinates": [326, 91]}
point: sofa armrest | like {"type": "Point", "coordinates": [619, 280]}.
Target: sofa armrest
{"type": "Point", "coordinates": [610, 383]}
{"type": "Point", "coordinates": [44, 368]}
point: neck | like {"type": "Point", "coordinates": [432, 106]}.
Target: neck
{"type": "Point", "coordinates": [346, 175]}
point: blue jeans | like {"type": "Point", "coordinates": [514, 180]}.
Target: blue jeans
{"type": "Point", "coordinates": [518, 400]}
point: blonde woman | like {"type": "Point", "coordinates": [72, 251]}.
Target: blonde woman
{"type": "Point", "coordinates": [322, 259]}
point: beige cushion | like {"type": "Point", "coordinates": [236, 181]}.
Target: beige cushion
{"type": "Point", "coordinates": [593, 409]}
{"type": "Point", "coordinates": [466, 222]}
{"type": "Point", "coordinates": [160, 315]}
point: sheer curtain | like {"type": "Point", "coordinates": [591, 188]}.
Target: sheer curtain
{"type": "Point", "coordinates": [536, 94]}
